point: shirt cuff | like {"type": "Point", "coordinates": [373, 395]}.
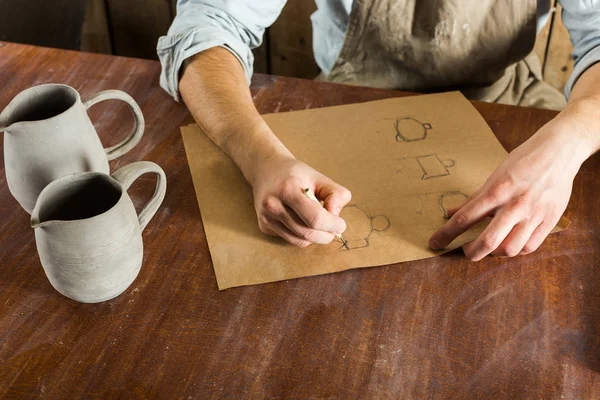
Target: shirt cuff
{"type": "Point", "coordinates": [173, 50]}
{"type": "Point", "coordinates": [589, 59]}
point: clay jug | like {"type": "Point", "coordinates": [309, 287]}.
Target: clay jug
{"type": "Point", "coordinates": [87, 232]}
{"type": "Point", "coordinates": [48, 134]}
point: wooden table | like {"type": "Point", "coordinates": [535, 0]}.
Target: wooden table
{"type": "Point", "coordinates": [527, 327]}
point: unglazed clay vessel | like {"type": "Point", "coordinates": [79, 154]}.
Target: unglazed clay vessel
{"type": "Point", "coordinates": [48, 134]}
{"type": "Point", "coordinates": [88, 235]}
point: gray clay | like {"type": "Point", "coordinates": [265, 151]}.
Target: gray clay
{"type": "Point", "coordinates": [87, 232]}
{"type": "Point", "coordinates": [48, 134]}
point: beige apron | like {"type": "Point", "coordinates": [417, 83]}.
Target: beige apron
{"type": "Point", "coordinates": [481, 47]}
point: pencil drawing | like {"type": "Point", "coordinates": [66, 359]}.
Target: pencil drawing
{"type": "Point", "coordinates": [447, 200]}
{"type": "Point", "coordinates": [410, 129]}
{"type": "Point", "coordinates": [361, 225]}
{"type": "Point", "coordinates": [433, 167]}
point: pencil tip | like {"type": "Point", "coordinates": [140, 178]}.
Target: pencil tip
{"type": "Point", "coordinates": [345, 242]}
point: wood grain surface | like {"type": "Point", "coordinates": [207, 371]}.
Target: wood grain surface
{"type": "Point", "coordinates": [445, 327]}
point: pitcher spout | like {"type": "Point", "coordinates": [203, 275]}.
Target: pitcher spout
{"type": "Point", "coordinates": [37, 104]}
{"type": "Point", "coordinates": [4, 120]}
{"type": "Point", "coordinates": [9, 116]}
{"type": "Point", "coordinates": [37, 222]}
{"type": "Point", "coordinates": [38, 218]}
{"type": "Point", "coordinates": [35, 218]}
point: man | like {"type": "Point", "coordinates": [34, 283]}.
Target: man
{"type": "Point", "coordinates": [479, 46]}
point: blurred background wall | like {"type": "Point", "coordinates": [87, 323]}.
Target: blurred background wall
{"type": "Point", "coordinates": [132, 27]}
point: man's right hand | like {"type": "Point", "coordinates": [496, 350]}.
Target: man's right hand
{"type": "Point", "coordinates": [215, 90]}
{"type": "Point", "coordinates": [284, 210]}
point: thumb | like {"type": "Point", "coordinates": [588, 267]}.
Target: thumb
{"type": "Point", "coordinates": [334, 196]}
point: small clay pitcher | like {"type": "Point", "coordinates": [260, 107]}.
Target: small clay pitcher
{"type": "Point", "coordinates": [48, 134]}
{"type": "Point", "coordinates": [88, 234]}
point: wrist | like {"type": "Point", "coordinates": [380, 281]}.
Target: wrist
{"type": "Point", "coordinates": [579, 122]}
{"type": "Point", "coordinates": [259, 147]}
{"type": "Point", "coordinates": [572, 136]}
{"type": "Point", "coordinates": [557, 148]}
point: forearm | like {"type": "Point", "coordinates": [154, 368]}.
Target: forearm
{"type": "Point", "coordinates": [214, 88]}
{"type": "Point", "coordinates": [581, 117]}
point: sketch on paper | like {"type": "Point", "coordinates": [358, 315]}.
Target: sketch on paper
{"type": "Point", "coordinates": [451, 199]}
{"type": "Point", "coordinates": [401, 171]}
{"type": "Point", "coordinates": [410, 129]}
{"type": "Point", "coordinates": [361, 226]}
{"type": "Point", "coordinates": [433, 167]}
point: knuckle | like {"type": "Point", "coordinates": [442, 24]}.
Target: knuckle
{"type": "Point", "coordinates": [345, 195]}
{"type": "Point", "coordinates": [489, 242]}
{"type": "Point", "coordinates": [470, 255]}
{"type": "Point", "coordinates": [308, 235]}
{"type": "Point", "coordinates": [498, 192]}
{"type": "Point", "coordinates": [461, 219]}
{"type": "Point", "coordinates": [302, 243]}
{"type": "Point", "coordinates": [288, 189]}
{"type": "Point", "coordinates": [520, 202]}
{"type": "Point", "coordinates": [271, 205]}
{"type": "Point", "coordinates": [316, 221]}
{"type": "Point", "coordinates": [263, 222]}
{"type": "Point", "coordinates": [510, 250]}
{"type": "Point", "coordinates": [529, 248]}
{"type": "Point", "coordinates": [264, 229]}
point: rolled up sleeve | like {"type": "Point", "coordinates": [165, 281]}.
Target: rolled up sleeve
{"type": "Point", "coordinates": [236, 25]}
{"type": "Point", "coordinates": [582, 20]}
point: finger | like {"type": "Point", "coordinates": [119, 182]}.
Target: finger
{"type": "Point", "coordinates": [268, 231]}
{"type": "Point", "coordinates": [473, 212]}
{"type": "Point", "coordinates": [492, 236]}
{"type": "Point", "coordinates": [275, 210]}
{"type": "Point", "coordinates": [265, 222]}
{"type": "Point", "coordinates": [282, 231]}
{"type": "Point", "coordinates": [312, 213]}
{"type": "Point", "coordinates": [539, 235]}
{"type": "Point", "coordinates": [452, 210]}
{"type": "Point", "coordinates": [334, 196]}
{"type": "Point", "coordinates": [516, 239]}
{"type": "Point", "coordinates": [297, 227]}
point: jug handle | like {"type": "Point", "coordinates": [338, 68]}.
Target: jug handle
{"type": "Point", "coordinates": [138, 119]}
{"type": "Point", "coordinates": [128, 174]}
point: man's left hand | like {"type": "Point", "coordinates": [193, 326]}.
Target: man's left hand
{"type": "Point", "coordinates": [525, 196]}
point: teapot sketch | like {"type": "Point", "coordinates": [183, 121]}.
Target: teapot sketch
{"type": "Point", "coordinates": [361, 225]}
{"type": "Point", "coordinates": [433, 167]}
{"type": "Point", "coordinates": [451, 199]}
{"type": "Point", "coordinates": [410, 130]}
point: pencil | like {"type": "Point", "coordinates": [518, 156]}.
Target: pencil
{"type": "Point", "coordinates": [308, 193]}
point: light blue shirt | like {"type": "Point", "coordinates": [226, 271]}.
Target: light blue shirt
{"type": "Point", "coordinates": [239, 25]}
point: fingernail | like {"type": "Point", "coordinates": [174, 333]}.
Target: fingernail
{"type": "Point", "coordinates": [435, 245]}
{"type": "Point", "coordinates": [336, 211]}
